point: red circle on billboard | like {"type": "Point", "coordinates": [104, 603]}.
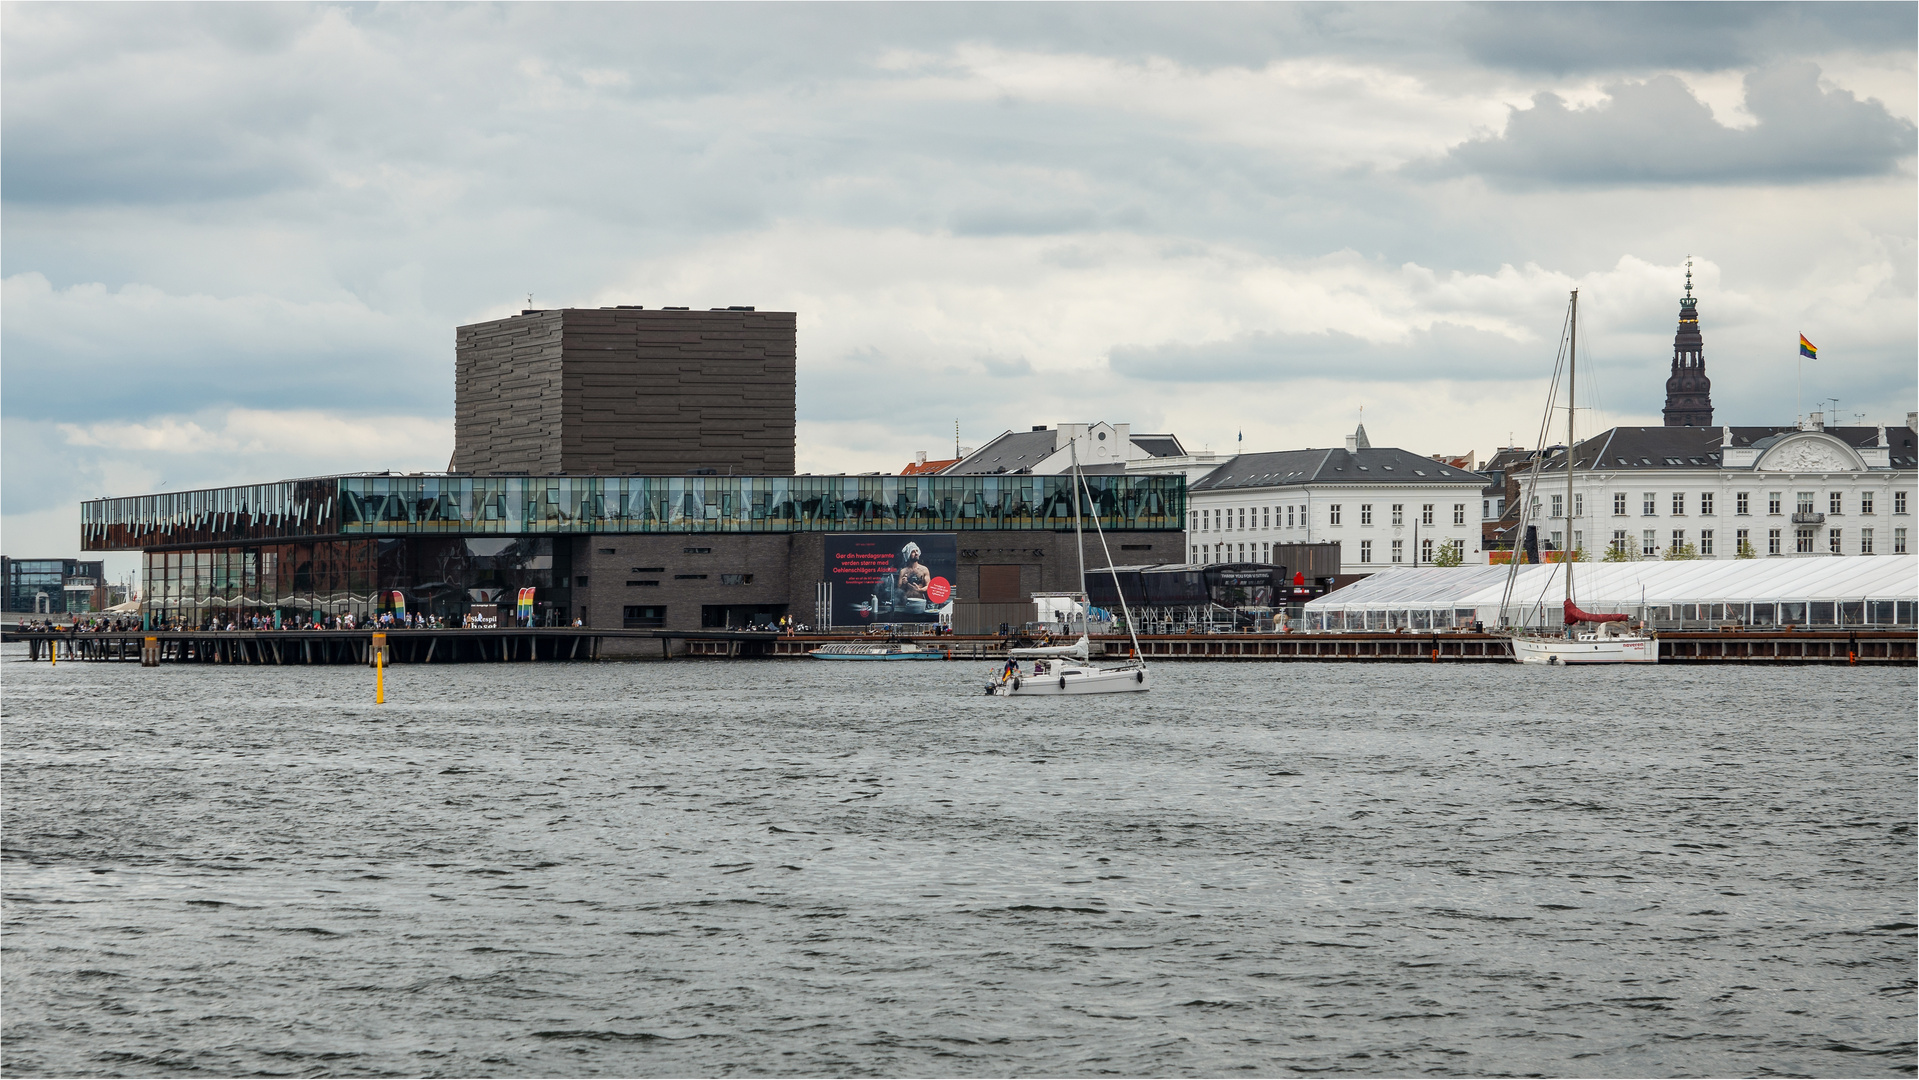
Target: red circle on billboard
{"type": "Point", "coordinates": [938, 590]}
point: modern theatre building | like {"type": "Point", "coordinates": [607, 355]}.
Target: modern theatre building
{"type": "Point", "coordinates": [633, 468]}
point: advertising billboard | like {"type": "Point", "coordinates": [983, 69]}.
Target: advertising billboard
{"type": "Point", "coordinates": [891, 577]}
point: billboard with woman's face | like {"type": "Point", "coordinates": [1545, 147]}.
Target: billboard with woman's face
{"type": "Point", "coordinates": [891, 577]}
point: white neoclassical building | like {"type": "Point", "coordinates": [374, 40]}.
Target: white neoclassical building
{"type": "Point", "coordinates": [1383, 506]}
{"type": "Point", "coordinates": [1774, 492]}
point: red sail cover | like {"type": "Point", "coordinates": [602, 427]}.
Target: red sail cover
{"type": "Point", "coordinates": [1574, 615]}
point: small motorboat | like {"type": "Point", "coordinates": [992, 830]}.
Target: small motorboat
{"type": "Point", "coordinates": [878, 650]}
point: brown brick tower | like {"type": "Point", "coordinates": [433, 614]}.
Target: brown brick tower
{"type": "Point", "coordinates": [1688, 391]}
{"type": "Point", "coordinates": [626, 391]}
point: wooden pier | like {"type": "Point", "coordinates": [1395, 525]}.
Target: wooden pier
{"type": "Point", "coordinates": [275, 648]}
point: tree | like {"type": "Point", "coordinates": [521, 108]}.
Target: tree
{"type": "Point", "coordinates": [1449, 554]}
{"type": "Point", "coordinates": [1620, 551]}
{"type": "Point", "coordinates": [1746, 550]}
{"type": "Point", "coordinates": [1681, 552]}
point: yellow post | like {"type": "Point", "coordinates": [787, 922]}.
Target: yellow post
{"type": "Point", "coordinates": [53, 650]}
{"type": "Point", "coordinates": [379, 669]}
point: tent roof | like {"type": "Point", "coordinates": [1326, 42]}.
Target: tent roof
{"type": "Point", "coordinates": [1601, 586]}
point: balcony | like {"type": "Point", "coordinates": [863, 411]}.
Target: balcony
{"type": "Point", "coordinates": [1807, 517]}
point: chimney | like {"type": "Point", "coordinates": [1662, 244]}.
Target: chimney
{"type": "Point", "coordinates": [1818, 421]}
{"type": "Point", "coordinates": [1912, 421]}
{"type": "Point", "coordinates": [919, 457]}
{"type": "Point", "coordinates": [1352, 443]}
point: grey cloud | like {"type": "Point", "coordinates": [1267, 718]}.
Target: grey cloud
{"type": "Point", "coordinates": [1657, 132]}
{"type": "Point", "coordinates": [1568, 38]}
{"type": "Point", "coordinates": [1446, 351]}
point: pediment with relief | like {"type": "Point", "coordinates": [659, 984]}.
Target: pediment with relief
{"type": "Point", "coordinates": [1810, 453]}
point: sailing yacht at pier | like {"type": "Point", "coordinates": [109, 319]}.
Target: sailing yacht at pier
{"type": "Point", "coordinates": [1607, 639]}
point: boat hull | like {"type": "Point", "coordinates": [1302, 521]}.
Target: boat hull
{"type": "Point", "coordinates": [1602, 650]}
{"type": "Point", "coordinates": [1075, 682]}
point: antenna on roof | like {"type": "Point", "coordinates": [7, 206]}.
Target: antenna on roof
{"type": "Point", "coordinates": [956, 453]}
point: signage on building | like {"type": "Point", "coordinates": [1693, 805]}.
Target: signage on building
{"type": "Point", "coordinates": [891, 577]}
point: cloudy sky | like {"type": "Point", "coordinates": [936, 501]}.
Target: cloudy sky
{"type": "Point", "coordinates": [237, 238]}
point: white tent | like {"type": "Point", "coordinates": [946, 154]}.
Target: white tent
{"type": "Point", "coordinates": [1845, 591]}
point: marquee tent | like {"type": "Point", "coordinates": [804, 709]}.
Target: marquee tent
{"type": "Point", "coordinates": [1877, 590]}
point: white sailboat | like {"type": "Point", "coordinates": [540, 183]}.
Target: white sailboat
{"type": "Point", "coordinates": [1057, 670]}
{"type": "Point", "coordinates": [1588, 638]}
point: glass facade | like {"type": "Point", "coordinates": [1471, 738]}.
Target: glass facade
{"type": "Point", "coordinates": [459, 506]}
{"type": "Point", "coordinates": [51, 586]}
{"type": "Point", "coordinates": [299, 581]}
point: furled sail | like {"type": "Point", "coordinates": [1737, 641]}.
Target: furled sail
{"type": "Point", "coordinates": [1574, 615]}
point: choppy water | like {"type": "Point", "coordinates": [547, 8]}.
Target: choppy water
{"type": "Point", "coordinates": [800, 868]}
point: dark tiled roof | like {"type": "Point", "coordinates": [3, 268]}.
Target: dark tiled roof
{"type": "Point", "coordinates": [1011, 452]}
{"type": "Point", "coordinates": [1647, 448]}
{"type": "Point", "coordinates": [1384, 465]}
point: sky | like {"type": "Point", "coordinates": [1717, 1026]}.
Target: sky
{"type": "Point", "coordinates": [236, 239]}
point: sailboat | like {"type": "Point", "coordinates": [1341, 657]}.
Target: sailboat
{"type": "Point", "coordinates": [1056, 670]}
{"type": "Point", "coordinates": [1588, 638]}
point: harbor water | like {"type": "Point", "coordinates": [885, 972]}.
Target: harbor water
{"type": "Point", "coordinates": [766, 868]}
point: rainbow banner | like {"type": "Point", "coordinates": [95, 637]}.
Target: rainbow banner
{"type": "Point", "coordinates": [1807, 349]}
{"type": "Point", "coordinates": [526, 604]}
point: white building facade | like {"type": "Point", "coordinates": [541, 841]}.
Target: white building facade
{"type": "Point", "coordinates": [1717, 492]}
{"type": "Point", "coordinates": [1384, 507]}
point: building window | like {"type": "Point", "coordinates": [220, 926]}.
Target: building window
{"type": "Point", "coordinates": [1772, 542]}
{"type": "Point", "coordinates": [1802, 541]}
{"type": "Point", "coordinates": [1678, 504]}
{"type": "Point", "coordinates": [1899, 540]}
{"type": "Point", "coordinates": [1705, 541]}
{"type": "Point", "coordinates": [1242, 517]}
{"type": "Point", "coordinates": [1365, 551]}
{"type": "Point", "coordinates": [736, 579]}
{"type": "Point", "coordinates": [696, 551]}
{"type": "Point", "coordinates": [1459, 513]}
{"type": "Point", "coordinates": [1579, 539]}
{"type": "Point", "coordinates": [1621, 542]}
{"type": "Point", "coordinates": [1425, 551]}
{"type": "Point", "coordinates": [1649, 542]}
{"type": "Point", "coordinates": [1559, 506]}
{"type": "Point", "coordinates": [1773, 501]}
{"type": "Point", "coordinates": [1332, 514]}
{"type": "Point", "coordinates": [1649, 504]}
{"type": "Point", "coordinates": [1865, 541]}
{"type": "Point", "coordinates": [1865, 502]}
{"type": "Point", "coordinates": [647, 570]}
{"type": "Point", "coordinates": [1678, 539]}
{"type": "Point", "coordinates": [1741, 540]}
{"type": "Point", "coordinates": [689, 577]}
{"type": "Point", "coordinates": [1834, 542]}
{"type": "Point", "coordinates": [1195, 517]}
{"type": "Point", "coordinates": [1399, 513]}
{"type": "Point", "coordinates": [1619, 504]}
{"type": "Point", "coordinates": [1556, 541]}
{"type": "Point", "coordinates": [1426, 514]}
{"type": "Point", "coordinates": [1266, 517]}
{"type": "Point", "coordinates": [1365, 513]}
{"type": "Point", "coordinates": [1289, 517]}
{"type": "Point", "coordinates": [1835, 502]}
{"type": "Point", "coordinates": [1579, 504]}
{"type": "Point", "coordinates": [642, 618]}
{"type": "Point", "coordinates": [1399, 551]}
{"type": "Point", "coordinates": [1705, 504]}
{"type": "Point", "coordinates": [1804, 503]}
{"type": "Point", "coordinates": [1898, 502]}
{"type": "Point", "coordinates": [1742, 503]}
{"type": "Point", "coordinates": [642, 584]}
{"type": "Point", "coordinates": [1217, 524]}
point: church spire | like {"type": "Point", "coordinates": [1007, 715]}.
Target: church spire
{"type": "Point", "coordinates": [1688, 391]}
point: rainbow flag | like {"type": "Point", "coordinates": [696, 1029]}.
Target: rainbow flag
{"type": "Point", "coordinates": [1807, 349]}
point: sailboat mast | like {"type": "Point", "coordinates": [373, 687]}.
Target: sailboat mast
{"type": "Point", "coordinates": [1572, 382]}
{"type": "Point", "coordinates": [1079, 545]}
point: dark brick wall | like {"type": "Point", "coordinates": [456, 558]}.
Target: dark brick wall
{"type": "Point", "coordinates": [622, 391]}
{"type": "Point", "coordinates": [786, 567]}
